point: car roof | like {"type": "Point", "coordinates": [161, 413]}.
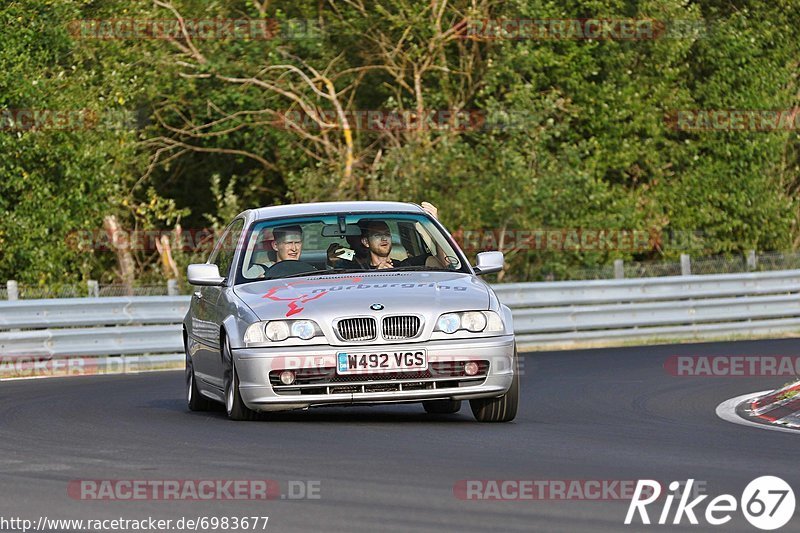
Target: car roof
{"type": "Point", "coordinates": [327, 208]}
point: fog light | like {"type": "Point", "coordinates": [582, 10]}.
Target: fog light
{"type": "Point", "coordinates": [287, 377]}
{"type": "Point", "coordinates": [471, 368]}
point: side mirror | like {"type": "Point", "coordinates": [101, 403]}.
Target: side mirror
{"type": "Point", "coordinates": [204, 274]}
{"type": "Point", "coordinates": [489, 262]}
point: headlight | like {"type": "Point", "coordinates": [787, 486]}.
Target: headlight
{"type": "Point", "coordinates": [303, 329]}
{"type": "Point", "coordinates": [280, 330]}
{"type": "Point", "coordinates": [472, 321]}
{"type": "Point", "coordinates": [449, 323]}
{"type": "Point", "coordinates": [495, 323]}
{"type": "Point", "coordinates": [255, 334]}
{"type": "Point", "coordinates": [277, 330]}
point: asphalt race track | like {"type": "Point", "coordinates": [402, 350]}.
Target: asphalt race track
{"type": "Point", "coordinates": [608, 414]}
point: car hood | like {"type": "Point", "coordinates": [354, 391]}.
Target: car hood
{"type": "Point", "coordinates": [332, 296]}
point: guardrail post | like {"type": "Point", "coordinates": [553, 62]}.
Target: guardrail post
{"type": "Point", "coordinates": [751, 260]}
{"type": "Point", "coordinates": [686, 265]}
{"type": "Point", "coordinates": [619, 270]}
{"type": "Point", "coordinates": [13, 290]}
{"type": "Point", "coordinates": [172, 287]}
{"type": "Point", "coordinates": [94, 288]}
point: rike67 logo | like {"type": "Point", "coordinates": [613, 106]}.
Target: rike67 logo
{"type": "Point", "coordinates": [767, 502]}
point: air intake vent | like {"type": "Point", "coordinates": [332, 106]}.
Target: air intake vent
{"type": "Point", "coordinates": [357, 329]}
{"type": "Point", "coordinates": [400, 327]}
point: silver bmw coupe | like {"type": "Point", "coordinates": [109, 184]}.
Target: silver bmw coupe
{"type": "Point", "coordinates": [347, 303]}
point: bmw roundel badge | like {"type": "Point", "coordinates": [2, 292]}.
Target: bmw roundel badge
{"type": "Point", "coordinates": [376, 307]}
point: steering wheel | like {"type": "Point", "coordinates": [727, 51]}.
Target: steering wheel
{"type": "Point", "coordinates": [287, 268]}
{"type": "Point", "coordinates": [263, 267]}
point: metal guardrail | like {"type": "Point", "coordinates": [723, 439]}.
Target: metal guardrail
{"type": "Point", "coordinates": [570, 313]}
{"type": "Point", "coordinates": [91, 335]}
{"type": "Point", "coordinates": [606, 312]}
{"type": "Point", "coordinates": [560, 293]}
{"type": "Point", "coordinates": [118, 311]}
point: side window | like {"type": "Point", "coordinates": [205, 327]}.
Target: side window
{"type": "Point", "coordinates": [222, 256]}
{"type": "Point", "coordinates": [410, 237]}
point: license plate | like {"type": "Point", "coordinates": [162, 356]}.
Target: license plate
{"type": "Point", "coordinates": [381, 361]}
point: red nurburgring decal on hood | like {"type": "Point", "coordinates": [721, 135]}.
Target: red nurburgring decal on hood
{"type": "Point", "coordinates": [294, 303]}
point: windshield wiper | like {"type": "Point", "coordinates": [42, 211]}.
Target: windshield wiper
{"type": "Point", "coordinates": [418, 268]}
{"type": "Point", "coordinates": [342, 271]}
{"type": "Point", "coordinates": [324, 272]}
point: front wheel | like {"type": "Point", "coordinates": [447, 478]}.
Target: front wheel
{"type": "Point", "coordinates": [234, 405]}
{"type": "Point", "coordinates": [194, 400]}
{"type": "Point", "coordinates": [502, 409]}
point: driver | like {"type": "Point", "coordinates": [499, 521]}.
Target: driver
{"type": "Point", "coordinates": [287, 243]}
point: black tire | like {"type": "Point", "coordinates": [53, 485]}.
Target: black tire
{"type": "Point", "coordinates": [442, 407]}
{"type": "Point", "coordinates": [503, 408]}
{"type": "Point", "coordinates": [194, 400]}
{"type": "Point", "coordinates": [234, 405]}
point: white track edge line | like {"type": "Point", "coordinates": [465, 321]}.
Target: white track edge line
{"type": "Point", "coordinates": [727, 411]}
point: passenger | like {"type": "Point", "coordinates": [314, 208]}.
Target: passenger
{"type": "Point", "coordinates": [362, 257]}
{"type": "Point", "coordinates": [377, 238]}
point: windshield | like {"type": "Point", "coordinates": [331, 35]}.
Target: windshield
{"type": "Point", "coordinates": [303, 246]}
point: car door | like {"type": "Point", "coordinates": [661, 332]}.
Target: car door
{"type": "Point", "coordinates": [210, 312]}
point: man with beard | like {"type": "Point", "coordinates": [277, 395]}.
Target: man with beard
{"type": "Point", "coordinates": [377, 239]}
{"type": "Point", "coordinates": [371, 257]}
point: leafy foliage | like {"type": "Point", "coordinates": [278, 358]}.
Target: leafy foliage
{"type": "Point", "coordinates": [188, 131]}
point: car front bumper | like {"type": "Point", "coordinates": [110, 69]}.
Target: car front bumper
{"type": "Point", "coordinates": [254, 365]}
